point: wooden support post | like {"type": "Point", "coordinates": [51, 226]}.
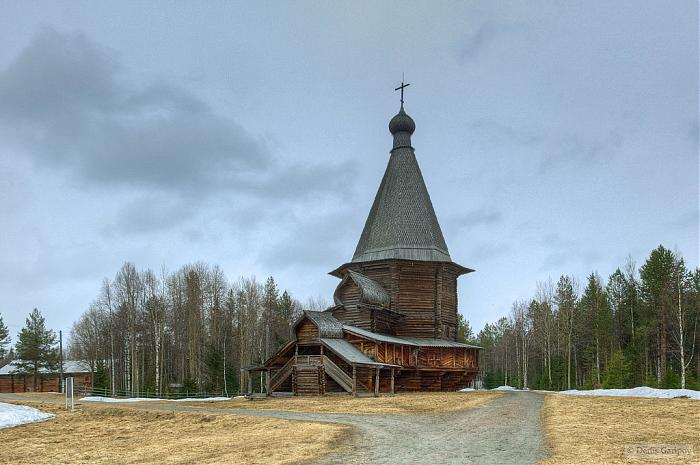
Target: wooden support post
{"type": "Point", "coordinates": [392, 381]}
{"type": "Point", "coordinates": [250, 383]}
{"type": "Point", "coordinates": [267, 382]}
{"type": "Point", "coordinates": [376, 382]}
{"type": "Point", "coordinates": [354, 380]}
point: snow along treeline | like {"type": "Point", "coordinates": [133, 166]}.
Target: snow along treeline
{"type": "Point", "coordinates": [152, 399]}
{"type": "Point", "coordinates": [642, 391]}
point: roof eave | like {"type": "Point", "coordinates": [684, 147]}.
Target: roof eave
{"type": "Point", "coordinates": [338, 272]}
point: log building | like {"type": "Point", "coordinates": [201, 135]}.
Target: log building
{"type": "Point", "coordinates": [393, 326]}
{"type": "Point", "coordinates": [12, 379]}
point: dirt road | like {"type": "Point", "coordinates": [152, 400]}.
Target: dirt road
{"type": "Point", "coordinates": [504, 431]}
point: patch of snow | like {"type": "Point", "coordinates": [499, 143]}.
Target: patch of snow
{"type": "Point", "coordinates": [642, 391]}
{"type": "Point", "coordinates": [113, 399]}
{"type": "Point", "coordinates": [504, 388]}
{"type": "Point", "coordinates": [467, 390]}
{"type": "Point", "coordinates": [13, 415]}
{"type": "Point", "coordinates": [151, 399]}
{"type": "Point", "coordinates": [202, 399]}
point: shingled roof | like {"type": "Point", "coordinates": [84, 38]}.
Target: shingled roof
{"type": "Point", "coordinates": [328, 326]}
{"type": "Point", "coordinates": [402, 223]}
{"type": "Point", "coordinates": [372, 291]}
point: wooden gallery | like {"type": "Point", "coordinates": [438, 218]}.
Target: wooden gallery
{"type": "Point", "coordinates": [393, 327]}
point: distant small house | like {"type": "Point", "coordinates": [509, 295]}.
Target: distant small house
{"type": "Point", "coordinates": [13, 380]}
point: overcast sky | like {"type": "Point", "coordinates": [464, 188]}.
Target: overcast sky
{"type": "Point", "coordinates": [554, 139]}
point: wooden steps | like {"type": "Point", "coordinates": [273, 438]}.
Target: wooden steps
{"type": "Point", "coordinates": [339, 376]}
{"type": "Point", "coordinates": [283, 373]}
{"type": "Point", "coordinates": [306, 380]}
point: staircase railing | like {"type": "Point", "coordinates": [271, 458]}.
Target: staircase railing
{"type": "Point", "coordinates": [282, 374]}
{"type": "Point", "coordinates": [308, 359]}
{"type": "Point", "coordinates": [335, 372]}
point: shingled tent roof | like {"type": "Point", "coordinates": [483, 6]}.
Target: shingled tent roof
{"type": "Point", "coordinates": [402, 223]}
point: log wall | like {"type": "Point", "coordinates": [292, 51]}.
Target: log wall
{"type": "Point", "coordinates": [354, 316]}
{"type": "Point", "coordinates": [349, 294]}
{"type": "Point", "coordinates": [404, 355]}
{"type": "Point", "coordinates": [307, 332]}
{"type": "Point", "coordinates": [45, 383]}
{"type": "Point", "coordinates": [424, 292]}
{"type": "Point", "coordinates": [307, 381]}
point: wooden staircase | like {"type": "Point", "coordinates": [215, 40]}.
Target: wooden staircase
{"type": "Point", "coordinates": [282, 374]}
{"type": "Point", "coordinates": [339, 376]}
{"type": "Point", "coordinates": [308, 374]}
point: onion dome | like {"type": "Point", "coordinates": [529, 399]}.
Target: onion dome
{"type": "Point", "coordinates": [401, 127]}
{"type": "Point", "coordinates": [402, 123]}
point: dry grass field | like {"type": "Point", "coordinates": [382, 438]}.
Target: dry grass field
{"type": "Point", "coordinates": [578, 429]}
{"type": "Point", "coordinates": [103, 434]}
{"type": "Point", "coordinates": [408, 403]}
{"type": "Point", "coordinates": [596, 430]}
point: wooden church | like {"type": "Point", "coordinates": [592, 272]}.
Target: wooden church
{"type": "Point", "coordinates": [394, 323]}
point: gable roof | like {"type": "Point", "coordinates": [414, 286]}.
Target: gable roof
{"type": "Point", "coordinates": [69, 366]}
{"type": "Point", "coordinates": [402, 223]}
{"type": "Point", "coordinates": [372, 292]}
{"type": "Point", "coordinates": [408, 341]}
{"type": "Point", "coordinates": [350, 353]}
{"type": "Point", "coordinates": [328, 326]}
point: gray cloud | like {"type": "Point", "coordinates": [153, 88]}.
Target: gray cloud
{"type": "Point", "coordinates": [581, 123]}
{"type": "Point", "coordinates": [573, 150]}
{"type": "Point", "coordinates": [483, 215]}
{"type": "Point", "coordinates": [149, 213]}
{"type": "Point", "coordinates": [484, 36]}
{"type": "Point", "coordinates": [553, 148]}
{"type": "Point", "coordinates": [689, 219]}
{"type": "Point", "coordinates": [558, 251]}
{"type": "Point", "coordinates": [328, 239]}
{"type": "Point", "coordinates": [485, 252]}
{"type": "Point", "coordinates": [72, 108]}
{"type": "Point", "coordinates": [66, 103]}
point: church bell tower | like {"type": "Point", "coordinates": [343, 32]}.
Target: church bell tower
{"type": "Point", "coordinates": [401, 279]}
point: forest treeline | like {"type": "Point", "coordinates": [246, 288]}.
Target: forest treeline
{"type": "Point", "coordinates": [189, 330]}
{"type": "Point", "coordinates": [637, 327]}
{"type": "Point", "coordinates": [193, 330]}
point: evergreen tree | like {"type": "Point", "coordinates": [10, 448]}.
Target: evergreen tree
{"type": "Point", "coordinates": [597, 328]}
{"type": "Point", "coordinates": [269, 300]}
{"type": "Point", "coordinates": [100, 379]}
{"type": "Point", "coordinates": [618, 375]}
{"type": "Point", "coordinates": [565, 299]}
{"type": "Point", "coordinates": [36, 347]}
{"type": "Point", "coordinates": [464, 330]}
{"type": "Point", "coordinates": [286, 314]}
{"type": "Point", "coordinates": [657, 275]}
{"type": "Point", "coordinates": [671, 380]}
{"type": "Point", "coordinates": [4, 339]}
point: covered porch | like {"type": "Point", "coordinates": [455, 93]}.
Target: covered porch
{"type": "Point", "coordinates": [332, 366]}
